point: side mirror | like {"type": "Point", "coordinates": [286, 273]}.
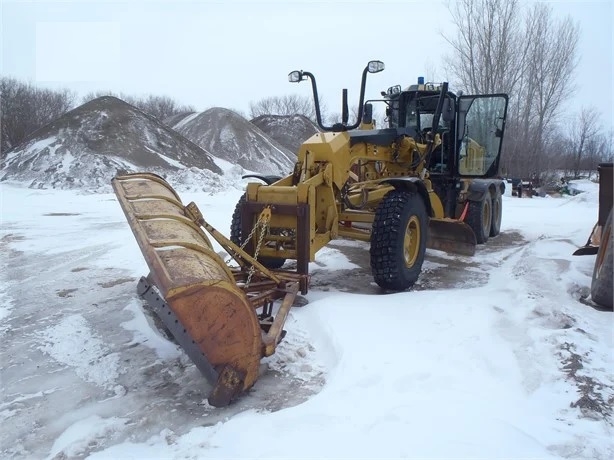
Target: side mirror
{"type": "Point", "coordinates": [396, 89]}
{"type": "Point", "coordinates": [300, 75]}
{"type": "Point", "coordinates": [375, 66]}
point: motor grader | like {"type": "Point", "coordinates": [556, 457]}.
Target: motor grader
{"type": "Point", "coordinates": [427, 179]}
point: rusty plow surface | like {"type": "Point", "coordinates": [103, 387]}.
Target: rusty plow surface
{"type": "Point", "coordinates": [223, 323]}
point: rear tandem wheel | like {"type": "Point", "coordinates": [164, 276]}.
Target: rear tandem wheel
{"type": "Point", "coordinates": [479, 218]}
{"type": "Point", "coordinates": [497, 214]}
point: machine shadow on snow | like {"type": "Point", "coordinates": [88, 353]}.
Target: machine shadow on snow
{"type": "Point", "coordinates": [440, 270]}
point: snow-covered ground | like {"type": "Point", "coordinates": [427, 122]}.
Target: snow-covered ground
{"type": "Point", "coordinates": [490, 356]}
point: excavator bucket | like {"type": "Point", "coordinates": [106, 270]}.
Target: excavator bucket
{"type": "Point", "coordinates": [451, 236]}
{"type": "Point", "coordinates": [212, 310]}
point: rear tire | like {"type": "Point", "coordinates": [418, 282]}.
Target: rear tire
{"type": "Point", "coordinates": [497, 214]}
{"type": "Point", "coordinates": [601, 285]}
{"type": "Point", "coordinates": [479, 218]}
{"type": "Point", "coordinates": [237, 238]}
{"type": "Point", "coordinates": [398, 240]}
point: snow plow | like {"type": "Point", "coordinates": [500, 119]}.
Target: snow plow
{"type": "Point", "coordinates": [221, 316]}
{"type": "Point", "coordinates": [601, 243]}
{"type": "Point", "coordinates": [428, 179]}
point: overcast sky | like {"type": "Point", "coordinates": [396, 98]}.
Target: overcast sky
{"type": "Point", "coordinates": [229, 53]}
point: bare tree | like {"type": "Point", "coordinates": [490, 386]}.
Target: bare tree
{"type": "Point", "coordinates": [431, 72]}
{"type": "Point", "coordinates": [488, 46]}
{"type": "Point", "coordinates": [549, 66]}
{"type": "Point", "coordinates": [160, 107]}
{"type": "Point", "coordinates": [584, 144]}
{"type": "Point", "coordinates": [291, 104]}
{"type": "Point", "coordinates": [530, 56]}
{"type": "Point", "coordinates": [335, 117]}
{"type": "Point", "coordinates": [607, 152]}
{"type": "Point", "coordinates": [101, 93]}
{"type": "Point", "coordinates": [593, 154]}
{"type": "Point", "coordinates": [25, 108]}
{"type": "Point", "coordinates": [582, 140]}
{"type": "Point", "coordinates": [488, 55]}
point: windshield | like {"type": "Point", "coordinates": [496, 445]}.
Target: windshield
{"type": "Point", "coordinates": [393, 114]}
{"type": "Point", "coordinates": [417, 114]}
{"type": "Point", "coordinates": [418, 120]}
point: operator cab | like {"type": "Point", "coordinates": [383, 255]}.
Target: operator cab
{"type": "Point", "coordinates": [471, 127]}
{"type": "Point", "coordinates": [413, 109]}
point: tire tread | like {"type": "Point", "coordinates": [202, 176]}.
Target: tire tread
{"type": "Point", "coordinates": [387, 265]}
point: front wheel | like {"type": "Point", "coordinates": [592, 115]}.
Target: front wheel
{"type": "Point", "coordinates": [398, 240]}
{"type": "Point", "coordinates": [237, 238]}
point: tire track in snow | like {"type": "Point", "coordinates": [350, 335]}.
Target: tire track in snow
{"type": "Point", "coordinates": [554, 353]}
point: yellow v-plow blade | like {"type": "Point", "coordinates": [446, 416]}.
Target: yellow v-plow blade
{"type": "Point", "coordinates": [194, 292]}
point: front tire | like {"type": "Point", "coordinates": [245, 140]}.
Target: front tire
{"type": "Point", "coordinates": [479, 218]}
{"type": "Point", "coordinates": [237, 238]}
{"type": "Point", "coordinates": [398, 240]}
{"type": "Point", "coordinates": [601, 285]}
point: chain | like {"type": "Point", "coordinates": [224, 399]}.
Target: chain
{"type": "Point", "coordinates": [249, 237]}
{"type": "Point", "coordinates": [263, 224]}
{"type": "Point", "coordinates": [263, 231]}
{"type": "Point", "coordinates": [251, 234]}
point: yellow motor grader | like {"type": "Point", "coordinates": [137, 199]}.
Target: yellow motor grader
{"type": "Point", "coordinates": [427, 179]}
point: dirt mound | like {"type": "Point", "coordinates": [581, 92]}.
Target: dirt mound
{"type": "Point", "coordinates": [289, 130]}
{"type": "Point", "coordinates": [229, 136]}
{"type": "Point", "coordinates": [89, 145]}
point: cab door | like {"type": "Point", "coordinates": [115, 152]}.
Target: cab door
{"type": "Point", "coordinates": [480, 128]}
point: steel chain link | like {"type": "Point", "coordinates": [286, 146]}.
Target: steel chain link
{"type": "Point", "coordinates": [249, 237]}
{"type": "Point", "coordinates": [263, 231]}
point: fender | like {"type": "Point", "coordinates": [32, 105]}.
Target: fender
{"type": "Point", "coordinates": [412, 184]}
{"type": "Point", "coordinates": [478, 188]}
{"type": "Point", "coordinates": [266, 179]}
